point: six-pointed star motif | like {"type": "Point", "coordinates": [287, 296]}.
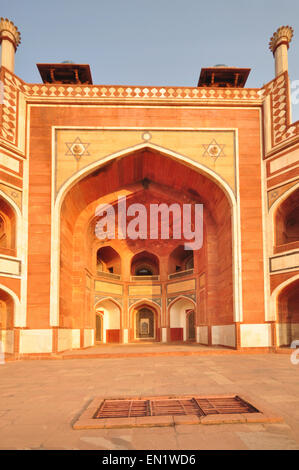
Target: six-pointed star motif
{"type": "Point", "coordinates": [213, 149]}
{"type": "Point", "coordinates": [77, 148]}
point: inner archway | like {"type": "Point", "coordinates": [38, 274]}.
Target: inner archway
{"type": "Point", "coordinates": [145, 324]}
{"type": "Point", "coordinates": [108, 322]}
{"type": "Point", "coordinates": [108, 261]}
{"type": "Point", "coordinates": [182, 320]}
{"type": "Point", "coordinates": [145, 264]}
{"type": "Point", "coordinates": [138, 177]}
{"type": "Point", "coordinates": [180, 260]}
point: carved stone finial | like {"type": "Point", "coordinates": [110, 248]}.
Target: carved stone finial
{"type": "Point", "coordinates": [10, 32]}
{"type": "Point", "coordinates": [282, 35]}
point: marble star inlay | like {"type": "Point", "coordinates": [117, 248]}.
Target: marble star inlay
{"type": "Point", "coordinates": [77, 148]}
{"type": "Point", "coordinates": [213, 149]}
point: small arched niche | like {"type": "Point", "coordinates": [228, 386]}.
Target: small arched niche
{"type": "Point", "coordinates": [144, 264]}
{"type": "Point", "coordinates": [182, 320]}
{"type": "Point", "coordinates": [108, 261]}
{"type": "Point", "coordinates": [287, 220]}
{"type": "Point", "coordinates": [7, 228]}
{"type": "Point", "coordinates": [107, 322]}
{"type": "Point", "coordinates": [180, 260]}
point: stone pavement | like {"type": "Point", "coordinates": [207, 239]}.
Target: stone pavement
{"type": "Point", "coordinates": [40, 400]}
{"type": "Point", "coordinates": [146, 349]}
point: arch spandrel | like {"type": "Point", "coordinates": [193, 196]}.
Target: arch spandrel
{"type": "Point", "coordinates": [78, 150]}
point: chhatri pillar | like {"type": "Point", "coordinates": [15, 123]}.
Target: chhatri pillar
{"type": "Point", "coordinates": [279, 44]}
{"type": "Point", "coordinates": [10, 38]}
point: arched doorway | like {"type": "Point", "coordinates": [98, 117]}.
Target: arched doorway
{"type": "Point", "coordinates": [108, 262]}
{"type": "Point", "coordinates": [99, 327]}
{"type": "Point", "coordinates": [182, 320]}
{"type": "Point", "coordinates": [145, 324]}
{"type": "Point", "coordinates": [190, 318]}
{"type": "Point", "coordinates": [108, 322]}
{"type": "Point", "coordinates": [180, 260]}
{"type": "Point", "coordinates": [288, 314]}
{"type": "Point", "coordinates": [7, 307]}
{"type": "Point", "coordinates": [145, 264]}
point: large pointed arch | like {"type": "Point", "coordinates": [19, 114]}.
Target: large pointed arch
{"type": "Point", "coordinates": [277, 291]}
{"type": "Point", "coordinates": [284, 327]}
{"type": "Point", "coordinates": [198, 167]}
{"type": "Point", "coordinates": [133, 313]}
{"type": "Point", "coordinates": [16, 301]}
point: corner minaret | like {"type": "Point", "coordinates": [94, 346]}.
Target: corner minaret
{"type": "Point", "coordinates": [279, 44]}
{"type": "Point", "coordinates": [10, 38]}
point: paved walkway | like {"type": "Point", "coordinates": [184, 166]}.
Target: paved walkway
{"type": "Point", "coordinates": [39, 401]}
{"type": "Point", "coordinates": [145, 349]}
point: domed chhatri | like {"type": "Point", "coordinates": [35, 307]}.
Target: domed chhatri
{"type": "Point", "coordinates": [10, 38]}
{"type": "Point", "coordinates": [279, 44]}
{"type": "Point", "coordinates": [283, 35]}
{"type": "Point", "coordinates": [9, 31]}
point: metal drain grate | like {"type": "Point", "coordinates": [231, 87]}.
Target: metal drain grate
{"type": "Point", "coordinates": [173, 407]}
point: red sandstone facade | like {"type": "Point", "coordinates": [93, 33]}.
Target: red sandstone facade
{"type": "Point", "coordinates": [67, 146]}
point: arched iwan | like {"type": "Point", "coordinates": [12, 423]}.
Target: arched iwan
{"type": "Point", "coordinates": [55, 222]}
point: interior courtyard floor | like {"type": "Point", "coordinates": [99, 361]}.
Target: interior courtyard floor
{"type": "Point", "coordinates": [144, 349]}
{"type": "Point", "coordinates": [40, 400]}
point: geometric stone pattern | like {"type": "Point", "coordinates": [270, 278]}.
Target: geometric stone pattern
{"type": "Point", "coordinates": [97, 298]}
{"type": "Point", "coordinates": [160, 93]}
{"type": "Point", "coordinates": [278, 90]}
{"type": "Point", "coordinates": [189, 296]}
{"type": "Point", "coordinates": [274, 194]}
{"type": "Point", "coordinates": [13, 193]}
{"type": "Point", "coordinates": [77, 148]}
{"type": "Point", "coordinates": [9, 95]}
{"type": "Point", "coordinates": [156, 300]}
{"type": "Point", "coordinates": [11, 86]}
{"type": "Point", "coordinates": [213, 149]}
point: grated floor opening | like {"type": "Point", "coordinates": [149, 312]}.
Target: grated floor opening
{"type": "Point", "coordinates": [124, 408]}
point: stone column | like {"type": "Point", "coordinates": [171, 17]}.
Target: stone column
{"type": "Point", "coordinates": [279, 44]}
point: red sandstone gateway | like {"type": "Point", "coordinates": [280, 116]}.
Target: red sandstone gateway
{"type": "Point", "coordinates": [68, 146]}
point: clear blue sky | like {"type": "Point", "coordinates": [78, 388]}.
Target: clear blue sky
{"type": "Point", "coordinates": [153, 42]}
